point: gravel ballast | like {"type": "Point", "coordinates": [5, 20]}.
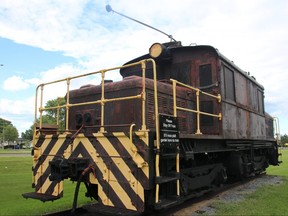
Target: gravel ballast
{"type": "Point", "coordinates": [235, 194]}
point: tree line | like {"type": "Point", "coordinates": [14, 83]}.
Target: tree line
{"type": "Point", "coordinates": [11, 133]}
{"type": "Point", "coordinates": [8, 132]}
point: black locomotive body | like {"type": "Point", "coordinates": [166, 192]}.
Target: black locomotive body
{"type": "Point", "coordinates": [183, 120]}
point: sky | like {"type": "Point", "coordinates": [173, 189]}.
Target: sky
{"type": "Point", "coordinates": [45, 40]}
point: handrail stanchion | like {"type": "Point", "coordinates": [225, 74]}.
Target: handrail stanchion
{"type": "Point", "coordinates": [143, 94]}
{"type": "Point", "coordinates": [198, 132]}
{"type": "Point", "coordinates": [102, 130]}
{"type": "Point", "coordinates": [41, 107]}
{"type": "Point", "coordinates": [67, 105]}
{"type": "Point", "coordinates": [174, 98]}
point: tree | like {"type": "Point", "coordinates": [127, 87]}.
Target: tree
{"type": "Point", "coordinates": [50, 116]}
{"type": "Point", "coordinates": [3, 124]}
{"type": "Point", "coordinates": [10, 133]}
{"type": "Point", "coordinates": [284, 139]}
{"type": "Point", "coordinates": [28, 134]}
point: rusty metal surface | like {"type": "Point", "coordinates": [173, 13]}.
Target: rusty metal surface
{"type": "Point", "coordinates": [241, 118]}
{"type": "Point", "coordinates": [128, 112]}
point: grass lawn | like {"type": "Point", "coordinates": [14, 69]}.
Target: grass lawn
{"type": "Point", "coordinates": [15, 151]}
{"type": "Point", "coordinates": [267, 200]}
{"type": "Point", "coordinates": [15, 179]}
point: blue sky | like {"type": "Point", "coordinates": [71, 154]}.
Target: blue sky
{"type": "Point", "coordinates": [45, 40]}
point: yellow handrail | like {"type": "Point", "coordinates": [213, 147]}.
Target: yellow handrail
{"type": "Point", "coordinates": [101, 101]}
{"type": "Point", "coordinates": [277, 130]}
{"type": "Point", "coordinates": [197, 111]}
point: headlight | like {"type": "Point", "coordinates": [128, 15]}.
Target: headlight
{"type": "Point", "coordinates": [156, 50]}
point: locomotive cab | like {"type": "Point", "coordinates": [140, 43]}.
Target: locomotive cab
{"type": "Point", "coordinates": [196, 66]}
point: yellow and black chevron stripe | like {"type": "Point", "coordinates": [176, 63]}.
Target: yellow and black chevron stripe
{"type": "Point", "coordinates": [122, 171]}
{"type": "Point", "coordinates": [46, 149]}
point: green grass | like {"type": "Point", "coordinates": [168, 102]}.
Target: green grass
{"type": "Point", "coordinates": [267, 200]}
{"type": "Point", "coordinates": [15, 179]}
{"type": "Point", "coordinates": [282, 169]}
{"type": "Point", "coordinates": [15, 151]}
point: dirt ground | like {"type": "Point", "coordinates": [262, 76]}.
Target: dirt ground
{"type": "Point", "coordinates": [233, 195]}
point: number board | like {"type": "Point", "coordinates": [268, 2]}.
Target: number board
{"type": "Point", "coordinates": [169, 134]}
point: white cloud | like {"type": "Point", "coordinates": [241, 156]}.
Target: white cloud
{"type": "Point", "coordinates": [59, 72]}
{"type": "Point", "coordinates": [19, 112]}
{"type": "Point", "coordinates": [254, 34]}
{"type": "Point", "coordinates": [15, 83]}
{"type": "Point", "coordinates": [17, 107]}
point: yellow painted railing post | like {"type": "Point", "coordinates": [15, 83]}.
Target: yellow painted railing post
{"type": "Point", "coordinates": [67, 105]}
{"type": "Point", "coordinates": [174, 98]}
{"type": "Point", "coordinates": [174, 84]}
{"type": "Point", "coordinates": [143, 65]}
{"type": "Point", "coordinates": [198, 111]}
{"type": "Point", "coordinates": [41, 106]}
{"type": "Point", "coordinates": [102, 130]}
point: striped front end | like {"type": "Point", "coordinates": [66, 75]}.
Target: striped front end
{"type": "Point", "coordinates": [120, 163]}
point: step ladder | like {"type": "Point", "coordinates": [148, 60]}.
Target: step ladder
{"type": "Point", "coordinates": [167, 178]}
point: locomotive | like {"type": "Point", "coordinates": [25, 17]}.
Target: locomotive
{"type": "Point", "coordinates": [182, 121]}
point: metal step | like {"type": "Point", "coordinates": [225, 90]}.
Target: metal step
{"type": "Point", "coordinates": [168, 155]}
{"type": "Point", "coordinates": [166, 179]}
{"type": "Point", "coordinates": [167, 203]}
{"type": "Point", "coordinates": [40, 196]}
